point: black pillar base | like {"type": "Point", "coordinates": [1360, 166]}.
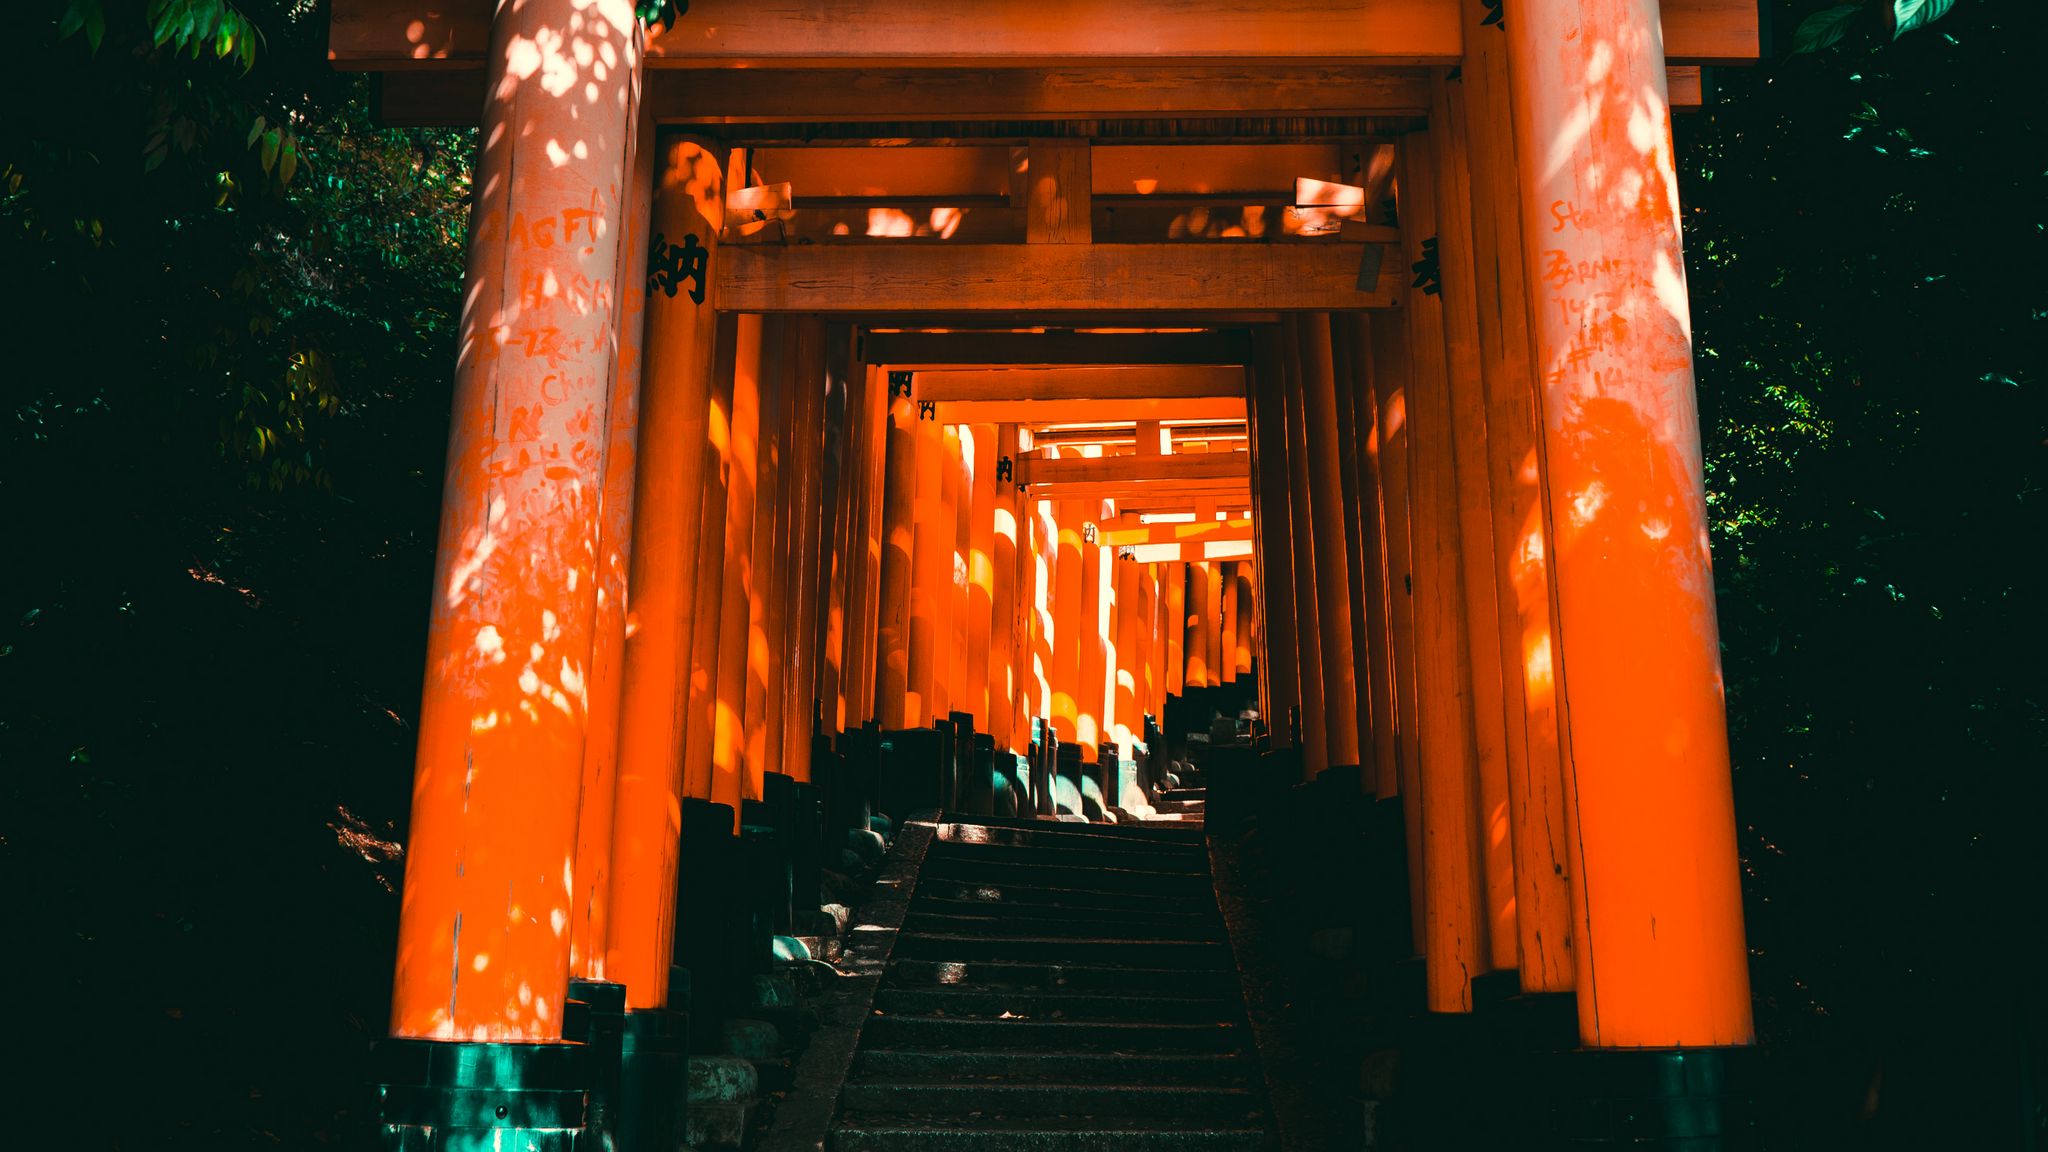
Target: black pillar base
{"type": "Point", "coordinates": [1690, 1099]}
{"type": "Point", "coordinates": [467, 1096]}
{"type": "Point", "coordinates": [653, 1076]}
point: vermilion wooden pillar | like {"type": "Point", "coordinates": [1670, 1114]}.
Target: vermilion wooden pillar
{"type": "Point", "coordinates": [951, 629]}
{"type": "Point", "coordinates": [980, 500]}
{"type": "Point", "coordinates": [1240, 659]}
{"type": "Point", "coordinates": [1328, 518]}
{"type": "Point", "coordinates": [1042, 655]}
{"type": "Point", "coordinates": [1659, 937]}
{"type": "Point", "coordinates": [871, 541]}
{"type": "Point", "coordinates": [1373, 557]}
{"type": "Point", "coordinates": [1273, 524]}
{"type": "Point", "coordinates": [681, 357]}
{"type": "Point", "coordinates": [1198, 614]}
{"type": "Point", "coordinates": [1315, 731]}
{"type": "Point", "coordinates": [897, 565]}
{"type": "Point", "coordinates": [701, 718]}
{"type": "Point", "coordinates": [1091, 702]}
{"type": "Point", "coordinates": [1226, 659]}
{"type": "Point", "coordinates": [766, 610]}
{"type": "Point", "coordinates": [845, 456]}
{"type": "Point", "coordinates": [592, 898]}
{"type": "Point", "coordinates": [1005, 528]}
{"type": "Point", "coordinates": [1346, 361]}
{"type": "Point", "coordinates": [1391, 388]}
{"type": "Point", "coordinates": [931, 571]}
{"type": "Point", "coordinates": [803, 590]}
{"type": "Point", "coordinates": [1127, 724]}
{"type": "Point", "coordinates": [1063, 614]}
{"type": "Point", "coordinates": [1475, 515]}
{"type": "Point", "coordinates": [1520, 533]}
{"type": "Point", "coordinates": [728, 728]}
{"type": "Point", "coordinates": [1212, 623]}
{"type": "Point", "coordinates": [1176, 619]}
{"type": "Point", "coordinates": [502, 722]}
{"type": "Point", "coordinates": [1454, 920]}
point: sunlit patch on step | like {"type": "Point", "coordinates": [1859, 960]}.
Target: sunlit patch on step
{"type": "Point", "coordinates": [950, 972]}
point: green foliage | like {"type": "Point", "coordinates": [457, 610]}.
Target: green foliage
{"type": "Point", "coordinates": [1830, 26]}
{"type": "Point", "coordinates": [1865, 228]}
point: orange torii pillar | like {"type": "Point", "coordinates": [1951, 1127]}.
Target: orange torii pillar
{"type": "Point", "coordinates": [1155, 699]}
{"type": "Point", "coordinates": [1453, 900]}
{"type": "Point", "coordinates": [895, 571]}
{"type": "Point", "coordinates": [931, 570]}
{"type": "Point", "coordinates": [1520, 534]}
{"type": "Point", "coordinates": [700, 721]}
{"type": "Point", "coordinates": [844, 456]}
{"type": "Point", "coordinates": [1272, 525]}
{"type": "Point", "coordinates": [953, 683]}
{"type": "Point", "coordinates": [503, 717]}
{"type": "Point", "coordinates": [1127, 722]}
{"type": "Point", "coordinates": [1175, 618]}
{"type": "Point", "coordinates": [1658, 934]}
{"type": "Point", "coordinates": [804, 588]}
{"type": "Point", "coordinates": [870, 541]}
{"type": "Point", "coordinates": [1318, 397]}
{"type": "Point", "coordinates": [1063, 614]}
{"type": "Point", "coordinates": [1346, 363]}
{"type": "Point", "coordinates": [1213, 622]}
{"type": "Point", "coordinates": [1004, 526]}
{"type": "Point", "coordinates": [979, 503]}
{"type": "Point", "coordinates": [728, 728]}
{"type": "Point", "coordinates": [1459, 294]}
{"type": "Point", "coordinates": [1389, 340]}
{"type": "Point", "coordinates": [1374, 566]}
{"type": "Point", "coordinates": [949, 634]}
{"type": "Point", "coordinates": [1246, 605]}
{"type": "Point", "coordinates": [767, 606]}
{"type": "Point", "coordinates": [1226, 657]}
{"type": "Point", "coordinates": [1091, 701]}
{"type": "Point", "coordinates": [1300, 546]}
{"type": "Point", "coordinates": [681, 337]}
{"type": "Point", "coordinates": [594, 850]}
{"type": "Point", "coordinates": [1040, 654]}
{"type": "Point", "coordinates": [1145, 683]}
{"type": "Point", "coordinates": [1195, 623]}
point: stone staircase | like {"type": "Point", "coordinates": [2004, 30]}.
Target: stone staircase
{"type": "Point", "coordinates": [1058, 988]}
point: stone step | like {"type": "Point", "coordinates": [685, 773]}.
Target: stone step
{"type": "Point", "coordinates": [1071, 977]}
{"type": "Point", "coordinates": [1121, 833]}
{"type": "Point", "coordinates": [1200, 923]}
{"type": "Point", "coordinates": [924, 1032]}
{"type": "Point", "coordinates": [1033, 1004]}
{"type": "Point", "coordinates": [1185, 794]}
{"type": "Point", "coordinates": [1001, 923]}
{"type": "Point", "coordinates": [1100, 950]}
{"type": "Point", "coordinates": [1020, 895]}
{"type": "Point", "coordinates": [1091, 877]}
{"type": "Point", "coordinates": [1054, 835]}
{"type": "Point", "coordinates": [1218, 1068]}
{"type": "Point", "coordinates": [1044, 1134]}
{"type": "Point", "coordinates": [1125, 859]}
{"type": "Point", "coordinates": [1016, 1101]}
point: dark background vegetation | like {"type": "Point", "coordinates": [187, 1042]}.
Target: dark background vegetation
{"type": "Point", "coordinates": [230, 304]}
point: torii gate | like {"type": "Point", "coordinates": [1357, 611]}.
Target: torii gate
{"type": "Point", "coordinates": [1477, 513]}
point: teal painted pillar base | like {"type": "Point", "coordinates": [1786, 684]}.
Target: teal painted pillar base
{"type": "Point", "coordinates": [653, 1077]}
{"type": "Point", "coordinates": [473, 1096]}
{"type": "Point", "coordinates": [1691, 1099]}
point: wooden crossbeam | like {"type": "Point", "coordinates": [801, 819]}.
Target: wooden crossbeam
{"type": "Point", "coordinates": [451, 95]}
{"type": "Point", "coordinates": [1120, 436]}
{"type": "Point", "coordinates": [389, 34]}
{"type": "Point", "coordinates": [1239, 528]}
{"type": "Point", "coordinates": [1177, 553]}
{"type": "Point", "coordinates": [1234, 467]}
{"type": "Point", "coordinates": [1079, 383]}
{"type": "Point", "coordinates": [1037, 414]}
{"type": "Point", "coordinates": [1123, 491]}
{"type": "Point", "coordinates": [1047, 349]}
{"type": "Point", "coordinates": [1183, 277]}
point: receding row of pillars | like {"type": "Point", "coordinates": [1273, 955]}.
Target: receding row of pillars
{"type": "Point", "coordinates": [1482, 558]}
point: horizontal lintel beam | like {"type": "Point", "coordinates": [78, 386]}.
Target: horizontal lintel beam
{"type": "Point", "coordinates": [1079, 383]}
{"type": "Point", "coordinates": [1037, 414]}
{"type": "Point", "coordinates": [1193, 552]}
{"type": "Point", "coordinates": [1238, 528]}
{"type": "Point", "coordinates": [1049, 349]}
{"type": "Point", "coordinates": [1185, 277]}
{"type": "Point", "coordinates": [1201, 467]}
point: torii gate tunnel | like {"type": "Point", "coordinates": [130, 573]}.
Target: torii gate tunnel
{"type": "Point", "coordinates": [846, 390]}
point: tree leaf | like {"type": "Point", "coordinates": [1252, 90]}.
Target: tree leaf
{"type": "Point", "coordinates": [288, 160]}
{"type": "Point", "coordinates": [1910, 14]}
{"type": "Point", "coordinates": [268, 155]}
{"type": "Point", "coordinates": [256, 130]}
{"type": "Point", "coordinates": [1824, 28]}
